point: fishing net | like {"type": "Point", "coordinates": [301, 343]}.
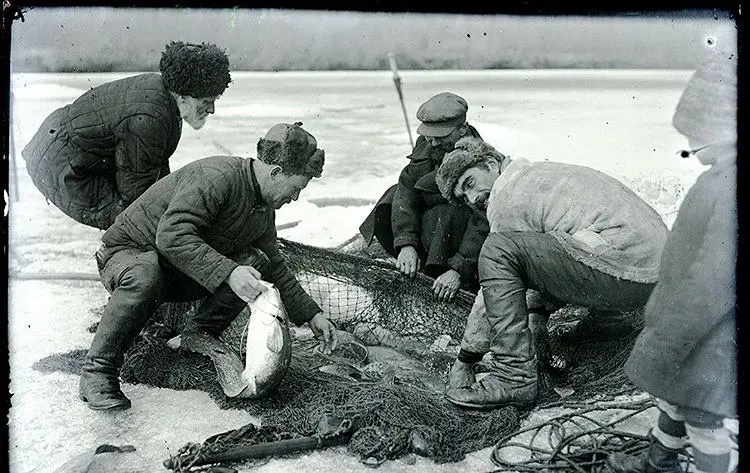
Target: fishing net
{"type": "Point", "coordinates": [394, 411]}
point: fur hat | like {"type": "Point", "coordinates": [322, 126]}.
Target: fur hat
{"type": "Point", "coordinates": [468, 152]}
{"type": "Point", "coordinates": [293, 149]}
{"type": "Point", "coordinates": [707, 110]}
{"type": "Point", "coordinates": [195, 70]}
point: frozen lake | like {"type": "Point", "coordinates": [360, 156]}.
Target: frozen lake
{"type": "Point", "coordinates": [618, 121]}
{"type": "Point", "coordinates": [615, 121]}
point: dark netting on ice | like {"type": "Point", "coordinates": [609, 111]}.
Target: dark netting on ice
{"type": "Point", "coordinates": [394, 405]}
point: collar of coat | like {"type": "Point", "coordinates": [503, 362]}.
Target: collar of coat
{"type": "Point", "coordinates": [423, 150]}
{"type": "Point", "coordinates": [259, 202]}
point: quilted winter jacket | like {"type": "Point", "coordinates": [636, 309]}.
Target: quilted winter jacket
{"type": "Point", "coordinates": [124, 130]}
{"type": "Point", "coordinates": [417, 192]}
{"type": "Point", "coordinates": [202, 215]}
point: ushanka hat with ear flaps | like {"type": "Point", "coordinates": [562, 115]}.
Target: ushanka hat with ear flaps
{"type": "Point", "coordinates": [293, 149]}
{"type": "Point", "coordinates": [468, 152]}
{"type": "Point", "coordinates": [195, 70]}
{"type": "Point", "coordinates": [707, 110]}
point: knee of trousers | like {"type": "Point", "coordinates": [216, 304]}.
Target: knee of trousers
{"type": "Point", "coordinates": [499, 254]}
{"type": "Point", "coordinates": [144, 280]}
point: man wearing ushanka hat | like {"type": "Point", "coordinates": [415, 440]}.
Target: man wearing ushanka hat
{"type": "Point", "coordinates": [95, 156]}
{"type": "Point", "coordinates": [571, 233]}
{"type": "Point", "coordinates": [207, 231]}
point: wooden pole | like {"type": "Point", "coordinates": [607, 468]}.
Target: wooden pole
{"type": "Point", "coordinates": [397, 83]}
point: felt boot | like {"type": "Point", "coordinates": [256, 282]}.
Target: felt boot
{"type": "Point", "coordinates": [99, 386]}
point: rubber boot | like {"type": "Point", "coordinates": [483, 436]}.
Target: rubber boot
{"type": "Point", "coordinates": [123, 319]}
{"type": "Point", "coordinates": [656, 459]}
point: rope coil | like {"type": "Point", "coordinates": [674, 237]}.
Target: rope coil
{"type": "Point", "coordinates": [575, 441]}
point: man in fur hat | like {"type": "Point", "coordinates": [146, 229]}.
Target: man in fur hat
{"type": "Point", "coordinates": [574, 234]}
{"type": "Point", "coordinates": [206, 230]}
{"type": "Point", "coordinates": [95, 156]}
{"type": "Point", "coordinates": [413, 222]}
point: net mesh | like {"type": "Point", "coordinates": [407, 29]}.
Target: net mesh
{"type": "Point", "coordinates": [397, 410]}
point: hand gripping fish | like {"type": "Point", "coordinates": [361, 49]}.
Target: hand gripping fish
{"type": "Point", "coordinates": [268, 348]}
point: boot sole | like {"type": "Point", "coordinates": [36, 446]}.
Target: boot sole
{"type": "Point", "coordinates": [121, 406]}
{"type": "Point", "coordinates": [489, 406]}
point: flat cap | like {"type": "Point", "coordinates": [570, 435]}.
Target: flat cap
{"type": "Point", "coordinates": [441, 113]}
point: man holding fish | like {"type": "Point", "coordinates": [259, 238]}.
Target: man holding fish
{"type": "Point", "coordinates": [180, 241]}
{"type": "Point", "coordinates": [574, 234]}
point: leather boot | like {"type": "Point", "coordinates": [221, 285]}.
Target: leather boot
{"type": "Point", "coordinates": [493, 392]}
{"type": "Point", "coordinates": [121, 322]}
{"type": "Point", "coordinates": [656, 459]}
{"type": "Point", "coordinates": [99, 386]}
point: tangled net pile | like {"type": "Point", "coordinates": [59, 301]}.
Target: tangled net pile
{"type": "Point", "coordinates": [394, 414]}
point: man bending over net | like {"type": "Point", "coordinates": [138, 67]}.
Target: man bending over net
{"type": "Point", "coordinates": [179, 241]}
{"type": "Point", "coordinates": [572, 233]}
{"type": "Point", "coordinates": [414, 223]}
{"type": "Point", "coordinates": [94, 157]}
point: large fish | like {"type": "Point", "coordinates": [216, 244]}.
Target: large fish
{"type": "Point", "coordinates": [268, 347]}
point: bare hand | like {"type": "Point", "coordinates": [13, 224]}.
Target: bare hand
{"type": "Point", "coordinates": [323, 328]}
{"type": "Point", "coordinates": [245, 282]}
{"type": "Point", "coordinates": [446, 285]}
{"type": "Point", "coordinates": [408, 261]}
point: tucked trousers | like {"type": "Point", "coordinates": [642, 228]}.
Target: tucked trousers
{"type": "Point", "coordinates": [512, 263]}
{"type": "Point", "coordinates": [139, 281]}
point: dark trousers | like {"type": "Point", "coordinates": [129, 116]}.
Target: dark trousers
{"type": "Point", "coordinates": [442, 230]}
{"type": "Point", "coordinates": [513, 262]}
{"type": "Point", "coordinates": [139, 281]}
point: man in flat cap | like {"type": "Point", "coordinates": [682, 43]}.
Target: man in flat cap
{"type": "Point", "coordinates": [95, 156]}
{"type": "Point", "coordinates": [205, 230]}
{"type": "Point", "coordinates": [414, 223]}
{"type": "Point", "coordinates": [585, 240]}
